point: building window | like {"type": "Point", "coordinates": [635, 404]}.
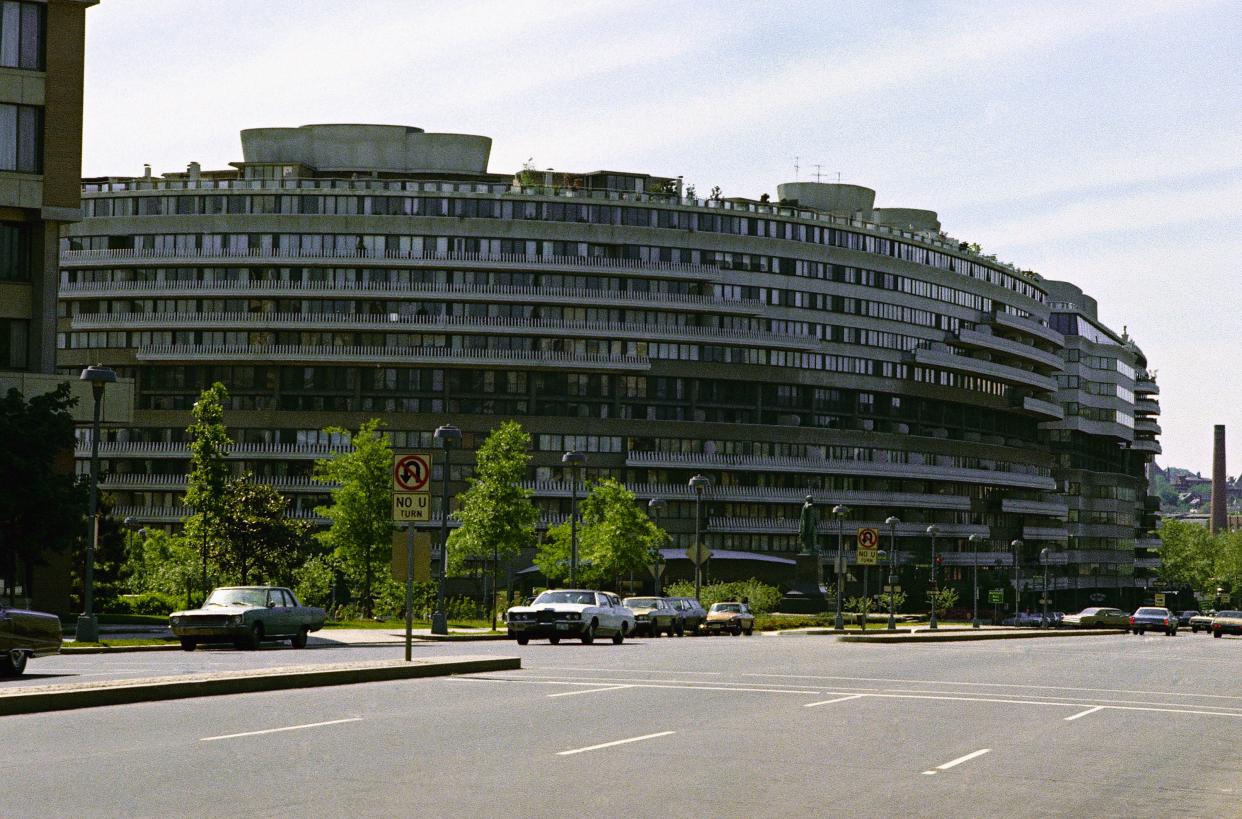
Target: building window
{"type": "Point", "coordinates": [14, 254]}
{"type": "Point", "coordinates": [13, 340]}
{"type": "Point", "coordinates": [22, 35]}
{"type": "Point", "coordinates": [21, 138]}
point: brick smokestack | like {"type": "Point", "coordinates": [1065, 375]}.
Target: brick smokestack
{"type": "Point", "coordinates": [1220, 519]}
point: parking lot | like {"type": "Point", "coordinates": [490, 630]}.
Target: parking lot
{"type": "Point", "coordinates": [1091, 726]}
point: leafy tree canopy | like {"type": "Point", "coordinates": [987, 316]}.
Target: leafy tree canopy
{"type": "Point", "coordinates": [495, 512]}
{"type": "Point", "coordinates": [258, 543]}
{"type": "Point", "coordinates": [615, 538]}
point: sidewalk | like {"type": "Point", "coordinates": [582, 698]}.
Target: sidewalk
{"type": "Point", "coordinates": [324, 638]}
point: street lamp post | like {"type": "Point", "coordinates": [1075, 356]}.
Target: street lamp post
{"type": "Point", "coordinates": [448, 436]}
{"type": "Point", "coordinates": [699, 484]}
{"type": "Point", "coordinates": [654, 506]}
{"type": "Point", "coordinates": [574, 459]}
{"type": "Point", "coordinates": [974, 542]}
{"type": "Point", "coordinates": [933, 530]}
{"type": "Point", "coordinates": [1016, 545]}
{"type": "Point", "coordinates": [1043, 558]}
{"type": "Point", "coordinates": [840, 511]}
{"type": "Point", "coordinates": [891, 521]}
{"type": "Point", "coordinates": [87, 630]}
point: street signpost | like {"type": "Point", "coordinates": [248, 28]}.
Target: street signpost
{"type": "Point", "coordinates": [996, 596]}
{"type": "Point", "coordinates": [1160, 599]}
{"type": "Point", "coordinates": [698, 553]}
{"type": "Point", "coordinates": [411, 502]}
{"type": "Point", "coordinates": [868, 547]}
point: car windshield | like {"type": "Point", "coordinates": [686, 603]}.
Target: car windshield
{"type": "Point", "coordinates": [1229, 614]}
{"type": "Point", "coordinates": [237, 597]}
{"type": "Point", "coordinates": [726, 607]}
{"type": "Point", "coordinates": [1091, 611]}
{"type": "Point", "coordinates": [579, 598]}
{"type": "Point", "coordinates": [642, 602]}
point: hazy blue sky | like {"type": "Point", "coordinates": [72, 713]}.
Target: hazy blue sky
{"type": "Point", "coordinates": [1099, 142]}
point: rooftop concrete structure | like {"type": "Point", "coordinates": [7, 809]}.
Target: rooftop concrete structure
{"type": "Point", "coordinates": [833, 198]}
{"type": "Point", "coordinates": [365, 148]}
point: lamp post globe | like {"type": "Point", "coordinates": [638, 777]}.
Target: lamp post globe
{"type": "Point", "coordinates": [87, 630]}
{"type": "Point", "coordinates": [891, 522]}
{"type": "Point", "coordinates": [449, 436]}
{"type": "Point", "coordinates": [840, 512]}
{"type": "Point", "coordinates": [573, 459]}
{"type": "Point", "coordinates": [654, 507]}
{"type": "Point", "coordinates": [975, 540]}
{"type": "Point", "coordinates": [932, 531]}
{"type": "Point", "coordinates": [699, 483]}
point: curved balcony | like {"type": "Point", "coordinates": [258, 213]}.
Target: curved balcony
{"type": "Point", "coordinates": [1027, 326]}
{"type": "Point", "coordinates": [979, 340]}
{"type": "Point", "coordinates": [416, 291]}
{"type": "Point", "coordinates": [1044, 409]}
{"type": "Point", "coordinates": [1052, 508]}
{"type": "Point", "coordinates": [1145, 445]}
{"type": "Point", "coordinates": [472, 357]}
{"type": "Point", "coordinates": [823, 500]}
{"type": "Point", "coordinates": [1146, 406]}
{"type": "Point", "coordinates": [147, 257]}
{"type": "Point", "coordinates": [442, 324]}
{"type": "Point", "coordinates": [121, 481]}
{"type": "Point", "coordinates": [755, 463]}
{"type": "Point", "coordinates": [977, 366]}
{"type": "Point", "coordinates": [159, 450]}
{"type": "Point", "coordinates": [734, 525]}
{"type": "Point", "coordinates": [1145, 386]}
{"type": "Point", "coordinates": [1147, 425]}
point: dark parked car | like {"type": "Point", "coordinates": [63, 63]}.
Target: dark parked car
{"type": "Point", "coordinates": [1154, 618]}
{"type": "Point", "coordinates": [246, 616]}
{"type": "Point", "coordinates": [1183, 617]}
{"type": "Point", "coordinates": [690, 613]}
{"type": "Point", "coordinates": [1024, 619]}
{"type": "Point", "coordinates": [25, 634]}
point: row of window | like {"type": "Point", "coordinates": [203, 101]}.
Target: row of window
{"type": "Point", "coordinates": [21, 138]}
{"type": "Point", "coordinates": [211, 204]}
{"type": "Point", "coordinates": [23, 34]}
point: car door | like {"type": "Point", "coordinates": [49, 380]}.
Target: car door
{"type": "Point", "coordinates": [279, 618]}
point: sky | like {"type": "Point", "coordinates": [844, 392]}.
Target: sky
{"type": "Point", "coordinates": [1095, 142]}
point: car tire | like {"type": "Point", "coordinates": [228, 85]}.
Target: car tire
{"type": "Point", "coordinates": [588, 634]}
{"type": "Point", "coordinates": [748, 631]}
{"type": "Point", "coordinates": [655, 630]}
{"type": "Point", "coordinates": [1215, 633]}
{"type": "Point", "coordinates": [554, 640]}
{"type": "Point", "coordinates": [681, 629]}
{"type": "Point", "coordinates": [299, 639]}
{"type": "Point", "coordinates": [13, 663]}
{"type": "Point", "coordinates": [619, 637]}
{"type": "Point", "coordinates": [188, 644]}
{"type": "Point", "coordinates": [522, 640]}
{"type": "Point", "coordinates": [255, 637]}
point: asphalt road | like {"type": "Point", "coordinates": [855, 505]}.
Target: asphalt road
{"type": "Point", "coordinates": [1121, 726]}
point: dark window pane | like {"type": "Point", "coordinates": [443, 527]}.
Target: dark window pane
{"type": "Point", "coordinates": [32, 37]}
{"type": "Point", "coordinates": [10, 33]}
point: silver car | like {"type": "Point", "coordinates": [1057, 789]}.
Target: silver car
{"type": "Point", "coordinates": [246, 616]}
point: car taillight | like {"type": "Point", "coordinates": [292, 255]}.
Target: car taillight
{"type": "Point", "coordinates": [1166, 621]}
{"type": "Point", "coordinates": [1131, 621]}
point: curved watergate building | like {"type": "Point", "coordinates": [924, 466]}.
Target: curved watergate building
{"type": "Point", "coordinates": [802, 343]}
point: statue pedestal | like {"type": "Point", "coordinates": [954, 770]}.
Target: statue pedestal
{"type": "Point", "coordinates": [805, 595]}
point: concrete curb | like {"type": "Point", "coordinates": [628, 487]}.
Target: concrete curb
{"type": "Point", "coordinates": [34, 699]}
{"type": "Point", "coordinates": [967, 636]}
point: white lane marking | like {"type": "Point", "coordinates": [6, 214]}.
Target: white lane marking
{"type": "Point", "coordinates": [830, 702]}
{"type": "Point", "coordinates": [278, 730]}
{"type": "Point", "coordinates": [680, 687]}
{"type": "Point", "coordinates": [995, 685]}
{"type": "Point", "coordinates": [955, 762]}
{"type": "Point", "coordinates": [590, 691]}
{"type": "Point", "coordinates": [929, 773]}
{"type": "Point", "coordinates": [611, 744]}
{"type": "Point", "coordinates": [1084, 713]}
{"type": "Point", "coordinates": [624, 670]}
{"type": "Point", "coordinates": [1072, 700]}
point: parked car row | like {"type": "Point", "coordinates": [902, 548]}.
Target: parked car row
{"type": "Point", "coordinates": [585, 614]}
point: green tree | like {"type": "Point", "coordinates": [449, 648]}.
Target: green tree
{"type": "Point", "coordinates": [43, 505]}
{"type": "Point", "coordinates": [207, 482]}
{"type": "Point", "coordinates": [1189, 555]}
{"type": "Point", "coordinates": [496, 516]}
{"type": "Point", "coordinates": [615, 537]}
{"type": "Point", "coordinates": [942, 599]}
{"type": "Point", "coordinates": [256, 539]}
{"type": "Point", "coordinates": [360, 535]}
{"type": "Point", "coordinates": [163, 563]}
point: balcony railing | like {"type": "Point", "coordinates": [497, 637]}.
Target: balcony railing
{"type": "Point", "coordinates": [977, 366]}
{"type": "Point", "coordinates": [988, 341]}
{"type": "Point", "coordinates": [442, 324]}
{"type": "Point", "coordinates": [823, 499]}
{"type": "Point", "coordinates": [828, 529]}
{"type": "Point", "coordinates": [577, 295]}
{"type": "Point", "coordinates": [756, 463]}
{"type": "Point", "coordinates": [393, 355]}
{"type": "Point", "coordinates": [177, 450]}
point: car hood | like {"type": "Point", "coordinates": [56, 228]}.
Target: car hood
{"type": "Point", "coordinates": [566, 607]}
{"type": "Point", "coordinates": [723, 615]}
{"type": "Point", "coordinates": [216, 611]}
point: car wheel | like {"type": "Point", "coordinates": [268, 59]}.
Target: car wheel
{"type": "Point", "coordinates": [1215, 633]}
{"type": "Point", "coordinates": [619, 637]}
{"type": "Point", "coordinates": [655, 630]}
{"type": "Point", "coordinates": [188, 643]}
{"type": "Point", "coordinates": [554, 640]}
{"type": "Point", "coordinates": [255, 637]}
{"type": "Point", "coordinates": [681, 629]}
{"type": "Point", "coordinates": [299, 641]}
{"type": "Point", "coordinates": [588, 634]}
{"type": "Point", "coordinates": [748, 631]}
{"type": "Point", "coordinates": [522, 640]}
{"type": "Point", "coordinates": [13, 663]}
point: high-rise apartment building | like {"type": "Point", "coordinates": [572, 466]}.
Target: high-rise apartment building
{"type": "Point", "coordinates": [807, 343]}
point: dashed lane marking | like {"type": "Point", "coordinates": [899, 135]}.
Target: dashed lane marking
{"type": "Point", "coordinates": [279, 730]}
{"type": "Point", "coordinates": [953, 763]}
{"type": "Point", "coordinates": [613, 743]}
{"type": "Point", "coordinates": [1084, 713]}
{"type": "Point", "coordinates": [830, 702]}
{"type": "Point", "coordinates": [590, 691]}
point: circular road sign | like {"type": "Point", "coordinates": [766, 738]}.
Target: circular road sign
{"type": "Point", "coordinates": [868, 538]}
{"type": "Point", "coordinates": [410, 473]}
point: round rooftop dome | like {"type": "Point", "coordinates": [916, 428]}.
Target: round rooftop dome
{"type": "Point", "coordinates": [354, 148]}
{"type": "Point", "coordinates": [826, 196]}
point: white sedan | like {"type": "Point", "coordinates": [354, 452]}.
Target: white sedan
{"type": "Point", "coordinates": [581, 613]}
